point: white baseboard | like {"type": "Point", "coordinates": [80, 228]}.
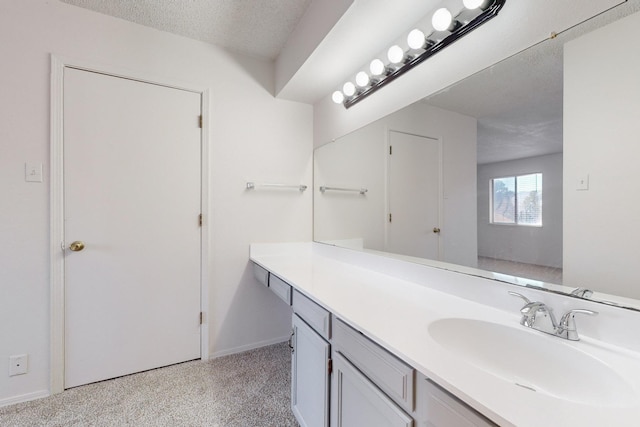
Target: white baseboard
{"type": "Point", "coordinates": [24, 398]}
{"type": "Point", "coordinates": [248, 347]}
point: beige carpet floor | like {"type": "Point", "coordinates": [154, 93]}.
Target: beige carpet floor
{"type": "Point", "coordinates": [244, 390]}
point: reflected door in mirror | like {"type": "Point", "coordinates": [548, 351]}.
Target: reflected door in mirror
{"type": "Point", "coordinates": [414, 195]}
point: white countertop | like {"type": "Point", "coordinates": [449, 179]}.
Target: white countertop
{"type": "Point", "coordinates": [396, 313]}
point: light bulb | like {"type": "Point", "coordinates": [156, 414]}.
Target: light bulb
{"type": "Point", "coordinates": [376, 67]}
{"type": "Point", "coordinates": [441, 19]}
{"type": "Point", "coordinates": [337, 97]}
{"type": "Point", "coordinates": [349, 89]}
{"type": "Point", "coordinates": [395, 54]}
{"type": "Point", "coordinates": [472, 4]}
{"type": "Point", "coordinates": [416, 39]}
{"type": "Point", "coordinates": [362, 79]}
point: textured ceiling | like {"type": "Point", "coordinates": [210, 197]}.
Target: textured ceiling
{"type": "Point", "coordinates": [253, 27]}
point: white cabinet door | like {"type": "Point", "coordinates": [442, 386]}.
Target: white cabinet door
{"type": "Point", "coordinates": [444, 410]}
{"type": "Point", "coordinates": [309, 376]}
{"type": "Point", "coordinates": [356, 401]}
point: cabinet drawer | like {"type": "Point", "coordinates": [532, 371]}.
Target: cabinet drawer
{"type": "Point", "coordinates": [388, 372]}
{"type": "Point", "coordinates": [443, 410]}
{"type": "Point", "coordinates": [261, 274]}
{"type": "Point", "coordinates": [280, 288]}
{"type": "Point", "coordinates": [317, 317]}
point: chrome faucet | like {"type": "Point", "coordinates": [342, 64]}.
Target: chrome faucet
{"type": "Point", "coordinates": [536, 315]}
{"type": "Point", "coordinates": [539, 316]}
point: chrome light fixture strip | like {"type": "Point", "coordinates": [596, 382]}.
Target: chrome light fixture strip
{"type": "Point", "coordinates": [458, 32]}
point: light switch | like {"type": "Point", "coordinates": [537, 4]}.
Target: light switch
{"type": "Point", "coordinates": [33, 172]}
{"type": "Point", "coordinates": [583, 182]}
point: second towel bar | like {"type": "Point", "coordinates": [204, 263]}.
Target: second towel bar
{"type": "Point", "coordinates": [355, 190]}
{"type": "Point", "coordinates": [253, 185]}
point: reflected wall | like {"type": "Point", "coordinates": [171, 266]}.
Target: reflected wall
{"type": "Point", "coordinates": [360, 160]}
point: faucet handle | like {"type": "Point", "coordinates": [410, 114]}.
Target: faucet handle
{"type": "Point", "coordinates": [582, 292]}
{"type": "Point", "coordinates": [515, 294]}
{"type": "Point", "coordinates": [568, 317]}
{"type": "Point", "coordinates": [530, 310]}
{"type": "Point", "coordinates": [567, 326]}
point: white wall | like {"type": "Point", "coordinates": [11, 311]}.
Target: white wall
{"type": "Point", "coordinates": [601, 128]}
{"type": "Point", "coordinates": [252, 137]}
{"type": "Point", "coordinates": [531, 245]}
{"type": "Point", "coordinates": [359, 159]}
{"type": "Point", "coordinates": [318, 21]}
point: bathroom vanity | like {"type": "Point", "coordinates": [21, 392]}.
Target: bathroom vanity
{"type": "Point", "coordinates": [385, 342]}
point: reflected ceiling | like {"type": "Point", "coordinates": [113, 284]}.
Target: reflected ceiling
{"type": "Point", "coordinates": [519, 112]}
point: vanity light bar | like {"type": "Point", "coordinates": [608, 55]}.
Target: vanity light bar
{"type": "Point", "coordinates": [421, 48]}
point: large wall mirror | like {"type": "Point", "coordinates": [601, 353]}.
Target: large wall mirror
{"type": "Point", "coordinates": [524, 172]}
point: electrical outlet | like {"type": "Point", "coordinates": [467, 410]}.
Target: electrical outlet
{"type": "Point", "coordinates": [18, 364]}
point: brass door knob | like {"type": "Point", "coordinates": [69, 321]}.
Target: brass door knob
{"type": "Point", "coordinates": [76, 246]}
{"type": "Point", "coordinates": [436, 230]}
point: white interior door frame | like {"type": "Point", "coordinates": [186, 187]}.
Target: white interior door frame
{"type": "Point", "coordinates": [440, 184]}
{"type": "Point", "coordinates": [57, 308]}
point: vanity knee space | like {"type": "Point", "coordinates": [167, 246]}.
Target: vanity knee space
{"type": "Point", "coordinates": [278, 286]}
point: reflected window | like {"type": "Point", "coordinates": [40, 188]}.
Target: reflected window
{"type": "Point", "coordinates": [517, 200]}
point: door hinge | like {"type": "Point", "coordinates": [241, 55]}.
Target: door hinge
{"type": "Point", "coordinates": [200, 220]}
{"type": "Point", "coordinates": [200, 121]}
{"type": "Point", "coordinates": [390, 149]}
{"type": "Point", "coordinates": [330, 366]}
{"type": "Point", "coordinates": [389, 217]}
{"type": "Point", "coordinates": [201, 318]}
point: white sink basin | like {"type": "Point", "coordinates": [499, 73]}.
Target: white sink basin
{"type": "Point", "coordinates": [533, 361]}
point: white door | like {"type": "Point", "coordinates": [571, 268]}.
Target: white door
{"type": "Point", "coordinates": [132, 197]}
{"type": "Point", "coordinates": [414, 196]}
